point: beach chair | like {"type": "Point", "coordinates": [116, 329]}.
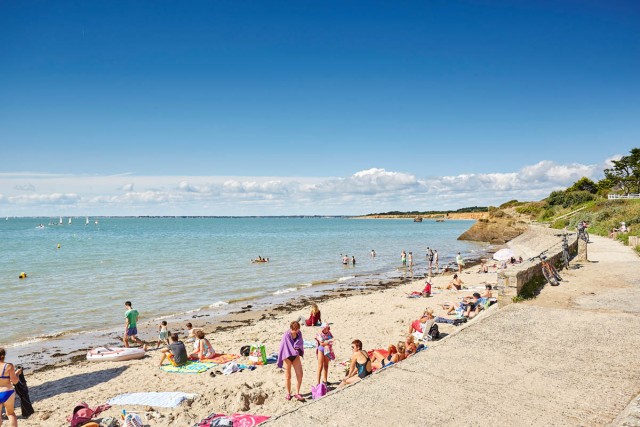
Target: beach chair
{"type": "Point", "coordinates": [424, 335]}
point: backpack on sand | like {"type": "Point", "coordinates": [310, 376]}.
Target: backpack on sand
{"type": "Point", "coordinates": [245, 350]}
{"type": "Point", "coordinates": [434, 332]}
{"type": "Point", "coordinates": [82, 414]}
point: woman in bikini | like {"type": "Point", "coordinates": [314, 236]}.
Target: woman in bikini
{"type": "Point", "coordinates": [395, 355]}
{"type": "Point", "coordinates": [290, 356]}
{"type": "Point", "coordinates": [360, 365]}
{"type": "Point", "coordinates": [455, 283]}
{"type": "Point", "coordinates": [410, 346]}
{"type": "Point", "coordinates": [203, 348]}
{"type": "Point", "coordinates": [8, 377]}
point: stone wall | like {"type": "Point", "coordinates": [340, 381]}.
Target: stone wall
{"type": "Point", "coordinates": [513, 279]}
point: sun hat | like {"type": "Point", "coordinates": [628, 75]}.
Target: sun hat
{"type": "Point", "coordinates": [325, 325]}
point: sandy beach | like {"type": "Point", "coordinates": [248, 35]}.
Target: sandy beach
{"type": "Point", "coordinates": [490, 344]}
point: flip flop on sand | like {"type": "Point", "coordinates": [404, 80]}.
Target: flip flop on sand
{"type": "Point", "coordinates": [288, 397]}
{"type": "Point", "coordinates": [299, 398]}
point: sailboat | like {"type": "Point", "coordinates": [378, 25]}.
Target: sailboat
{"type": "Point", "coordinates": [96, 222]}
{"type": "Point", "coordinates": [86, 220]}
{"type": "Point", "coordinates": [69, 220]}
{"type": "Point", "coordinates": [60, 223]}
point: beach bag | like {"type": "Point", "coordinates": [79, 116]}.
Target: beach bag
{"type": "Point", "coordinates": [258, 353]}
{"type": "Point", "coordinates": [245, 350]}
{"type": "Point", "coordinates": [434, 332]}
{"type": "Point", "coordinates": [82, 414]}
{"type": "Point", "coordinates": [317, 391]}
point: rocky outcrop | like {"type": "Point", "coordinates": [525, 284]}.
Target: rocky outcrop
{"type": "Point", "coordinates": [494, 230]}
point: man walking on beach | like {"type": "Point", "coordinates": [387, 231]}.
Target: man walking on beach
{"type": "Point", "coordinates": [131, 325]}
{"type": "Point", "coordinates": [460, 262]}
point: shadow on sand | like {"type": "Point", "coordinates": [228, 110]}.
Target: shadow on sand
{"type": "Point", "coordinates": [73, 383]}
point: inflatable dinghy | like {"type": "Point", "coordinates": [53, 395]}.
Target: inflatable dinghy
{"type": "Point", "coordinates": [114, 354]}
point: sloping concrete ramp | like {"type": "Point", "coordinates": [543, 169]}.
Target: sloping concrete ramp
{"type": "Point", "coordinates": [568, 358]}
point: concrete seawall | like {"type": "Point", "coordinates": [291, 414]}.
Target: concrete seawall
{"type": "Point", "coordinates": [514, 279]}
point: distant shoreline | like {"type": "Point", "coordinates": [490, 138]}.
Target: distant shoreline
{"type": "Point", "coordinates": [445, 216]}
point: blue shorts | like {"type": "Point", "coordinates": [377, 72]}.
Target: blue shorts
{"type": "Point", "coordinates": [131, 332]}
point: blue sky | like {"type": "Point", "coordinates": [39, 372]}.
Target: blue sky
{"type": "Point", "coordinates": [284, 99]}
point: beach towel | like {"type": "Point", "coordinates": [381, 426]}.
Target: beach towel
{"type": "Point", "coordinates": [221, 359]}
{"type": "Point", "coordinates": [290, 347]}
{"type": "Point", "coordinates": [188, 368]}
{"type": "Point", "coordinates": [237, 420]}
{"type": "Point", "coordinates": [160, 399]}
{"type": "Point", "coordinates": [454, 322]}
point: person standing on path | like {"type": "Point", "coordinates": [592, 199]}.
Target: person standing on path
{"type": "Point", "coordinates": [131, 325]}
{"type": "Point", "coordinates": [460, 262]}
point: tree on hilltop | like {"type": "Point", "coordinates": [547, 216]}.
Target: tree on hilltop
{"type": "Point", "coordinates": [625, 173]}
{"type": "Point", "coordinates": [584, 184]}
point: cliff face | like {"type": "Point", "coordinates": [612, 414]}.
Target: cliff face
{"type": "Point", "coordinates": [494, 230]}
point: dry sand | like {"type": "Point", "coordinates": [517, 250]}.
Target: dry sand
{"type": "Point", "coordinates": [565, 358]}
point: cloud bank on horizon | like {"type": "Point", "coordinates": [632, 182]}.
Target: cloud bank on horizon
{"type": "Point", "coordinates": [366, 191]}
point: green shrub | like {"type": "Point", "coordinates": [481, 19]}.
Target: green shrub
{"type": "Point", "coordinates": [511, 204]}
{"type": "Point", "coordinates": [532, 209]}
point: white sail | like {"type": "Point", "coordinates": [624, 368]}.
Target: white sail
{"type": "Point", "coordinates": [60, 221]}
{"type": "Point", "coordinates": [96, 222]}
{"type": "Point", "coordinates": [86, 220]}
{"type": "Point", "coordinates": [69, 220]}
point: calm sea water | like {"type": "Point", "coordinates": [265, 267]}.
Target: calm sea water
{"type": "Point", "coordinates": [172, 265]}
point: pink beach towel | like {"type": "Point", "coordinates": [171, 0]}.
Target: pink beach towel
{"type": "Point", "coordinates": [239, 420]}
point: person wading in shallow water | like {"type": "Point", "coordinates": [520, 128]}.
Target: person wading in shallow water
{"type": "Point", "coordinates": [131, 325]}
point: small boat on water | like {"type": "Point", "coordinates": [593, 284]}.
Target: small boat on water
{"type": "Point", "coordinates": [417, 219]}
{"type": "Point", "coordinates": [60, 223]}
{"type": "Point", "coordinates": [69, 220]}
{"type": "Point", "coordinates": [86, 220]}
{"type": "Point", "coordinates": [114, 354]}
{"type": "Point", "coordinates": [439, 220]}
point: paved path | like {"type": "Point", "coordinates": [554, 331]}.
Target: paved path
{"type": "Point", "coordinates": [569, 357]}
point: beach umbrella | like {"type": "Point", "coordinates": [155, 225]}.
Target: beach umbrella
{"type": "Point", "coordinates": [503, 254]}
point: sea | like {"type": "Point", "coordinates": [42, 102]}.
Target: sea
{"type": "Point", "coordinates": [79, 274]}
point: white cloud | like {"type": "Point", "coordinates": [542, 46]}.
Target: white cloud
{"type": "Point", "coordinates": [370, 190]}
{"type": "Point", "coordinates": [25, 187]}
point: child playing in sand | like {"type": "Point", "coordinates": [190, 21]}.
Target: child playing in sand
{"type": "Point", "coordinates": [163, 333]}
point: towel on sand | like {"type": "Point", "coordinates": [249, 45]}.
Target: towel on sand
{"type": "Point", "coordinates": [160, 399]}
{"type": "Point", "coordinates": [221, 359]}
{"type": "Point", "coordinates": [189, 368]}
{"type": "Point", "coordinates": [236, 419]}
